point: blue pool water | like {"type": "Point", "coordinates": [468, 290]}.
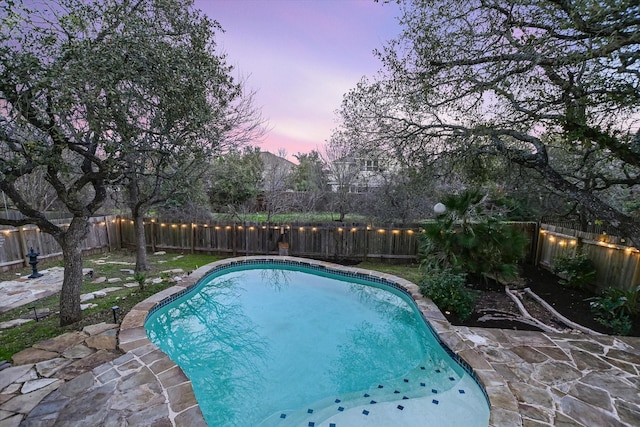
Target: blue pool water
{"type": "Point", "coordinates": [268, 345]}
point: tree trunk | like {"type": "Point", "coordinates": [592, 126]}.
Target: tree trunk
{"type": "Point", "coordinates": [141, 244]}
{"type": "Point", "coordinates": [72, 252]}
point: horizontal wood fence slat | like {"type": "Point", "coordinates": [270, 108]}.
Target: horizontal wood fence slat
{"type": "Point", "coordinates": [617, 265]}
{"type": "Point", "coordinates": [16, 242]}
{"type": "Point", "coordinates": [325, 241]}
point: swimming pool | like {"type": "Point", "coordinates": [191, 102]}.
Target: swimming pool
{"type": "Point", "coordinates": [284, 344]}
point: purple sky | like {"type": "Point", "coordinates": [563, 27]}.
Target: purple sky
{"type": "Point", "coordinates": [301, 56]}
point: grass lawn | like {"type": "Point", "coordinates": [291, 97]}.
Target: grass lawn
{"type": "Point", "coordinates": [109, 265]}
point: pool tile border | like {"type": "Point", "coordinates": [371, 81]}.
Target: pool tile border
{"type": "Point", "coordinates": [503, 404]}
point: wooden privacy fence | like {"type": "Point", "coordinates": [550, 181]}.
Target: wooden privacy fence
{"type": "Point", "coordinates": [16, 242]}
{"type": "Point", "coordinates": [326, 241]}
{"type": "Point", "coordinates": [617, 265]}
{"type": "Point", "coordinates": [313, 241]}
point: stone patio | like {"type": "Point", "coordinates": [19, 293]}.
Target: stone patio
{"type": "Point", "coordinates": [531, 378]}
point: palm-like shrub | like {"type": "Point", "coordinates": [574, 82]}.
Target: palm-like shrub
{"type": "Point", "coordinates": [468, 239]}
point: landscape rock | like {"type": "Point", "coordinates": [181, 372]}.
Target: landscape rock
{"type": "Point", "coordinates": [62, 342]}
{"type": "Point", "coordinates": [98, 328]}
{"type": "Point", "coordinates": [32, 355]}
{"type": "Point", "coordinates": [87, 297]}
{"type": "Point", "coordinates": [101, 279]}
{"type": "Point", "coordinates": [13, 323]}
{"type": "Point", "coordinates": [10, 375]}
{"type": "Point", "coordinates": [34, 385]}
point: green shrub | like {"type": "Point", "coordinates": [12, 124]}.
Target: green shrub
{"type": "Point", "coordinates": [140, 278]}
{"type": "Point", "coordinates": [466, 237]}
{"type": "Point", "coordinates": [615, 308]}
{"type": "Point", "coordinates": [447, 289]}
{"type": "Point", "coordinates": [576, 271]}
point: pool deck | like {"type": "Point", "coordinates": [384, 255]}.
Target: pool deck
{"type": "Point", "coordinates": [531, 378]}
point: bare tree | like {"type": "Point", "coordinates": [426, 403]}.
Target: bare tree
{"type": "Point", "coordinates": [86, 85]}
{"type": "Point", "coordinates": [548, 85]}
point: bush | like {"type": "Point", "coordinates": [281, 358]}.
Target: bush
{"type": "Point", "coordinates": [615, 308]}
{"type": "Point", "coordinates": [447, 289]}
{"type": "Point", "coordinates": [466, 237]}
{"type": "Point", "coordinates": [576, 271]}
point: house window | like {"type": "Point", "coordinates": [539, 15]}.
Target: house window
{"type": "Point", "coordinates": [371, 165]}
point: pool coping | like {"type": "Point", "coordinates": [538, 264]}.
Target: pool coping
{"type": "Point", "coordinates": [503, 404]}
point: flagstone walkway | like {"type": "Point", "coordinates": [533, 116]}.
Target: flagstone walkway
{"type": "Point", "coordinates": [532, 379]}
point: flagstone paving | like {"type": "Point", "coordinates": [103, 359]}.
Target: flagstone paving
{"type": "Point", "coordinates": [532, 379]}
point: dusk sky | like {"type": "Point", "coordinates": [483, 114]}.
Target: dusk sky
{"type": "Point", "coordinates": [301, 56]}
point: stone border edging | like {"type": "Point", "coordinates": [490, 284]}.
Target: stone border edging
{"type": "Point", "coordinates": [503, 404]}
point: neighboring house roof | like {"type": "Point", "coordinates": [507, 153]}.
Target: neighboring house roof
{"type": "Point", "coordinates": [276, 171]}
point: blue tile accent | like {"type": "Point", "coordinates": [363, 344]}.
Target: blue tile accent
{"type": "Point", "coordinates": [434, 391]}
{"type": "Point", "coordinates": [461, 391]}
{"type": "Point", "coordinates": [400, 407]}
{"type": "Point", "coordinates": [340, 408]}
{"type": "Point", "coordinates": [438, 370]}
{"type": "Point", "coordinates": [373, 402]}
{"type": "Point", "coordinates": [406, 380]}
{"type": "Point", "coordinates": [365, 412]}
{"type": "Point", "coordinates": [332, 424]}
{"type": "Point", "coordinates": [451, 379]}
{"type": "Point", "coordinates": [435, 402]}
{"type": "Point", "coordinates": [311, 424]}
{"type": "Point", "coordinates": [404, 398]}
{"type": "Point", "coordinates": [283, 416]}
{"type": "Point", "coordinates": [309, 411]}
{"type": "Point", "coordinates": [396, 392]}
{"type": "Point", "coordinates": [366, 395]}
{"type": "Point", "coordinates": [380, 386]}
{"type": "Point", "coordinates": [423, 368]}
{"type": "Point", "coordinates": [423, 385]}
{"type": "Point", "coordinates": [337, 401]}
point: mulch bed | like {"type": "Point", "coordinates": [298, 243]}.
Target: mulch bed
{"type": "Point", "coordinates": [571, 303]}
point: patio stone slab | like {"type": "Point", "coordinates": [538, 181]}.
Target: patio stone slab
{"type": "Point", "coordinates": [32, 355]}
{"type": "Point", "coordinates": [99, 328]}
{"type": "Point", "coordinates": [60, 343]}
{"type": "Point", "coordinates": [24, 403]}
{"type": "Point", "coordinates": [10, 375]}
{"type": "Point", "coordinates": [587, 414]}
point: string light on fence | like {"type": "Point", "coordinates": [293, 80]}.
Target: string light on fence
{"type": "Point", "coordinates": [301, 229]}
{"type": "Point", "coordinates": [409, 231]}
{"type": "Point", "coordinates": [314, 229]}
{"type": "Point", "coordinates": [552, 239]}
{"type": "Point", "coordinates": [353, 230]}
{"type": "Point", "coordinates": [396, 231]}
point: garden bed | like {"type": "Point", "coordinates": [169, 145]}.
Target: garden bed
{"type": "Point", "coordinates": [496, 309]}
